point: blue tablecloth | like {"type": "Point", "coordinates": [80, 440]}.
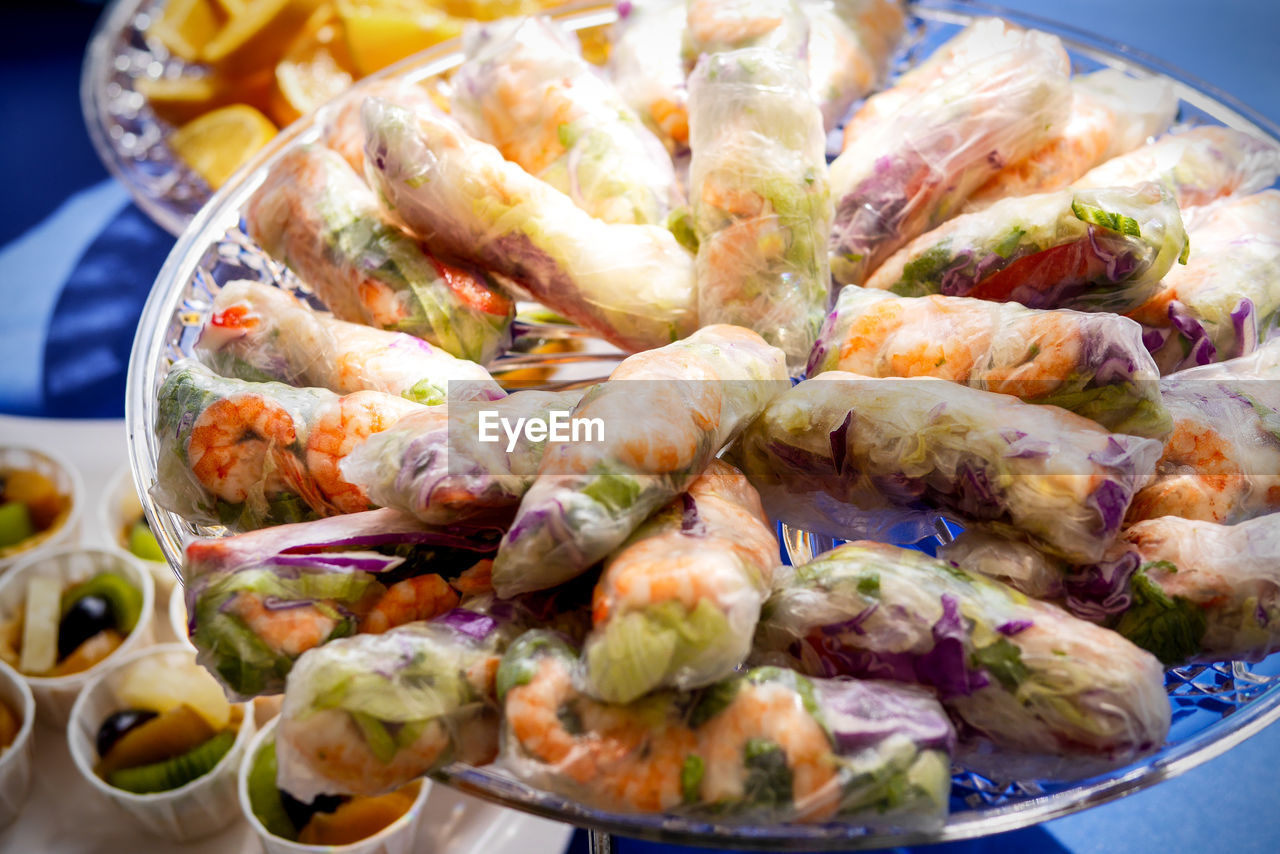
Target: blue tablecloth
{"type": "Point", "coordinates": [77, 260]}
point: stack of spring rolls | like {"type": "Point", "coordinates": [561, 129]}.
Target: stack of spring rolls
{"type": "Point", "coordinates": [1015, 300]}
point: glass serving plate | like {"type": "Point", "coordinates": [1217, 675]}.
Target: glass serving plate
{"type": "Point", "coordinates": [1213, 707]}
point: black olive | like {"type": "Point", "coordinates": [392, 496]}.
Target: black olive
{"type": "Point", "coordinates": [117, 724]}
{"type": "Point", "coordinates": [300, 812]}
{"type": "Point", "coordinates": [84, 619]}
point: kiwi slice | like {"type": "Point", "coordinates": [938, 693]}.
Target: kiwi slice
{"type": "Point", "coordinates": [15, 523]}
{"type": "Point", "coordinates": [176, 772]}
{"type": "Point", "coordinates": [264, 796]}
{"type": "Point", "coordinates": [125, 599]}
{"type": "Point", "coordinates": [142, 542]}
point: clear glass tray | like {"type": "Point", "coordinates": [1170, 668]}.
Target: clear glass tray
{"type": "Point", "coordinates": [1214, 708]}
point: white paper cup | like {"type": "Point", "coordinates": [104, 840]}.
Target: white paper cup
{"type": "Point", "coordinates": [205, 805]}
{"type": "Point", "coordinates": [399, 837]}
{"type": "Point", "coordinates": [68, 482]}
{"type": "Point", "coordinates": [119, 506]}
{"type": "Point", "coordinates": [178, 616]}
{"type": "Point", "coordinates": [55, 694]}
{"type": "Point", "coordinates": [15, 762]}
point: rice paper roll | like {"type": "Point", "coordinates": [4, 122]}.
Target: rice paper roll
{"type": "Point", "coordinates": [434, 465]}
{"type": "Point", "coordinates": [632, 284]}
{"type": "Point", "coordinates": [676, 606]}
{"type": "Point", "coordinates": [847, 456]}
{"type": "Point", "coordinates": [367, 714]}
{"type": "Point", "coordinates": [914, 170]}
{"type": "Point", "coordinates": [665, 415]}
{"type": "Point", "coordinates": [1091, 250]}
{"type": "Point", "coordinates": [1204, 592]}
{"type": "Point", "coordinates": [248, 454]}
{"type": "Point", "coordinates": [341, 127]}
{"type": "Point", "coordinates": [1222, 461]}
{"type": "Point", "coordinates": [261, 333]}
{"type": "Point", "coordinates": [1226, 300]}
{"type": "Point", "coordinates": [1111, 113]}
{"type": "Point", "coordinates": [315, 215]}
{"type": "Point", "coordinates": [983, 38]}
{"type": "Point", "coordinates": [717, 26]}
{"type": "Point", "coordinates": [761, 203]}
{"type": "Point", "coordinates": [1014, 562]}
{"type": "Point", "coordinates": [850, 44]}
{"type": "Point", "coordinates": [646, 64]}
{"type": "Point", "coordinates": [766, 746]}
{"type": "Point", "coordinates": [1062, 695]}
{"type": "Point", "coordinates": [1093, 364]}
{"type": "Point", "coordinates": [1197, 166]}
{"type": "Point", "coordinates": [257, 601]}
{"type": "Point", "coordinates": [525, 89]}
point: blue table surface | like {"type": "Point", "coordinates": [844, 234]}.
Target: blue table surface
{"type": "Point", "coordinates": [77, 260]}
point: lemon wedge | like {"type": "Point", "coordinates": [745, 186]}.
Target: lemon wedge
{"type": "Point", "coordinates": [218, 143]}
{"type": "Point", "coordinates": [380, 32]}
{"type": "Point", "coordinates": [316, 68]}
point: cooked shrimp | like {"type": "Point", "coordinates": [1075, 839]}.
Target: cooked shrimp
{"type": "Point", "coordinates": [240, 446]}
{"type": "Point", "coordinates": [944, 342]}
{"type": "Point", "coordinates": [343, 425]}
{"type": "Point", "coordinates": [776, 713]}
{"type": "Point", "coordinates": [1053, 352]}
{"type": "Point", "coordinates": [533, 713]}
{"type": "Point", "coordinates": [1209, 492]}
{"type": "Point", "coordinates": [329, 739]}
{"type": "Point", "coordinates": [291, 629]}
{"type": "Point", "coordinates": [652, 780]}
{"type": "Point", "coordinates": [419, 598]}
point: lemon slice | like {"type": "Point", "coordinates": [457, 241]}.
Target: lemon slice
{"type": "Point", "coordinates": [256, 36]}
{"type": "Point", "coordinates": [187, 26]}
{"type": "Point", "coordinates": [380, 32]}
{"type": "Point", "coordinates": [316, 68]}
{"type": "Point", "coordinates": [216, 144]}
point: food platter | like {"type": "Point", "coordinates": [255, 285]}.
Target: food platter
{"type": "Point", "coordinates": [1213, 707]}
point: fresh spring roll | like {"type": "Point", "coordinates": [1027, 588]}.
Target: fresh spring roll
{"type": "Point", "coordinates": [1092, 250]}
{"type": "Point", "coordinates": [435, 465]}
{"type": "Point", "coordinates": [366, 714]}
{"type": "Point", "coordinates": [1111, 114]}
{"type": "Point", "coordinates": [257, 601]}
{"type": "Point", "coordinates": [766, 746]}
{"type": "Point", "coordinates": [716, 26]}
{"type": "Point", "coordinates": [247, 454]}
{"type": "Point", "coordinates": [1092, 364]}
{"type": "Point", "coordinates": [633, 284]}
{"type": "Point", "coordinates": [1204, 592]}
{"type": "Point", "coordinates": [1226, 300]}
{"type": "Point", "coordinates": [341, 128]}
{"type": "Point", "coordinates": [677, 605]}
{"type": "Point", "coordinates": [646, 64]}
{"type": "Point", "coordinates": [1197, 166]}
{"type": "Point", "coordinates": [261, 333]}
{"type": "Point", "coordinates": [1010, 561]}
{"type": "Point", "coordinates": [761, 203]}
{"type": "Point", "coordinates": [915, 170]}
{"type": "Point", "coordinates": [850, 44]}
{"type": "Point", "coordinates": [984, 38]}
{"type": "Point", "coordinates": [317, 217]}
{"type": "Point", "coordinates": [1027, 676]}
{"type": "Point", "coordinates": [1222, 461]}
{"type": "Point", "coordinates": [847, 455]}
{"type": "Point", "coordinates": [525, 89]}
{"type": "Point", "coordinates": [664, 415]}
